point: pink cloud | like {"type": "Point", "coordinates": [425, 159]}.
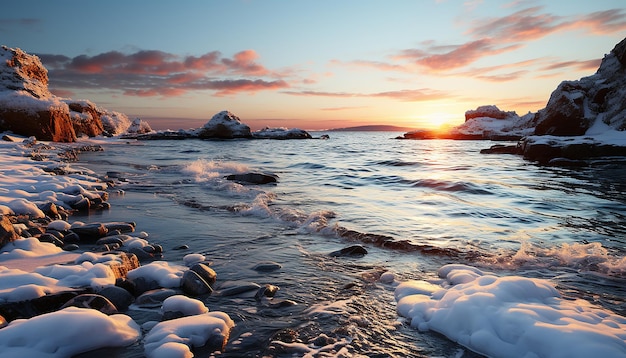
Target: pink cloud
{"type": "Point", "coordinates": [413, 95]}
{"type": "Point", "coordinates": [157, 73]}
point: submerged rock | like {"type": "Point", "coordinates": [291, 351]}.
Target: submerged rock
{"type": "Point", "coordinates": [354, 250]}
{"type": "Point", "coordinates": [253, 178]}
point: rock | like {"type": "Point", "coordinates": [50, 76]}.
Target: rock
{"type": "Point", "coordinates": [123, 263]}
{"type": "Point", "coordinates": [354, 250]}
{"type": "Point", "coordinates": [502, 149]}
{"type": "Point", "coordinates": [85, 118]}
{"type": "Point", "coordinates": [89, 232]}
{"type": "Point", "coordinates": [233, 288]}
{"type": "Point", "coordinates": [139, 126]}
{"type": "Point", "coordinates": [7, 232]}
{"type": "Point", "coordinates": [281, 133]}
{"type": "Point", "coordinates": [70, 247]}
{"type": "Point", "coordinates": [266, 291]}
{"type": "Point", "coordinates": [92, 301]}
{"type": "Point", "coordinates": [120, 297]}
{"type": "Point", "coordinates": [205, 272]}
{"type": "Point", "coordinates": [253, 178]}
{"type": "Point", "coordinates": [154, 298]}
{"type": "Point", "coordinates": [194, 285]}
{"type": "Point", "coordinates": [143, 284]}
{"type": "Point", "coordinates": [267, 266]}
{"type": "Point", "coordinates": [575, 106]}
{"type": "Point", "coordinates": [490, 111]}
{"type": "Point", "coordinates": [123, 227]}
{"type": "Point", "coordinates": [51, 210]}
{"type": "Point", "coordinates": [44, 304]}
{"type": "Point", "coordinates": [3, 322]}
{"type": "Point", "coordinates": [50, 239]}
{"type": "Point", "coordinates": [224, 125]}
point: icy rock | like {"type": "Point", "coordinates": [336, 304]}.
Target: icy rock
{"type": "Point", "coordinates": [224, 125]}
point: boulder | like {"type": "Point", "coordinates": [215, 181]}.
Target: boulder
{"type": "Point", "coordinates": [489, 111]}
{"type": "Point", "coordinates": [281, 133]}
{"type": "Point", "coordinates": [575, 106]}
{"type": "Point", "coordinates": [224, 125]}
{"type": "Point", "coordinates": [139, 126]}
{"type": "Point", "coordinates": [85, 118]}
{"type": "Point", "coordinates": [7, 232]}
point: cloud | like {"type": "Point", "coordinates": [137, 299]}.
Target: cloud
{"type": "Point", "coordinates": [578, 65]}
{"type": "Point", "coordinates": [408, 95]}
{"type": "Point", "coordinates": [148, 73]}
{"type": "Point", "coordinates": [494, 36]}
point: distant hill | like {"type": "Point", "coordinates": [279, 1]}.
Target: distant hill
{"type": "Point", "coordinates": [373, 128]}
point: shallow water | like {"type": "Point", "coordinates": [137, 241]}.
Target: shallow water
{"type": "Point", "coordinates": [417, 204]}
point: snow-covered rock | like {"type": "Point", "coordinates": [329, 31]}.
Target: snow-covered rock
{"type": "Point", "coordinates": [28, 108]}
{"type": "Point", "coordinates": [224, 125]}
{"type": "Point", "coordinates": [281, 133]}
{"type": "Point", "coordinates": [139, 126]}
{"type": "Point", "coordinates": [575, 106]}
{"type": "Point", "coordinates": [489, 122]}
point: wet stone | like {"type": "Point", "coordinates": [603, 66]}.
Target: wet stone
{"type": "Point", "coordinates": [154, 298]}
{"type": "Point", "coordinates": [93, 301]}
{"type": "Point", "coordinates": [233, 288]}
{"type": "Point", "coordinates": [205, 272]}
{"type": "Point", "coordinates": [123, 227]}
{"type": "Point", "coordinates": [267, 266]}
{"type": "Point", "coordinates": [120, 297]}
{"type": "Point", "coordinates": [193, 285]}
{"type": "Point", "coordinates": [70, 247]}
{"type": "Point", "coordinates": [90, 231]}
{"type": "Point", "coordinates": [71, 238]}
{"type": "Point", "coordinates": [354, 250]}
{"type": "Point", "coordinates": [266, 291]}
{"type": "Point", "coordinates": [51, 239]}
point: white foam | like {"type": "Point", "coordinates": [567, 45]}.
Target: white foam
{"type": "Point", "coordinates": [511, 316]}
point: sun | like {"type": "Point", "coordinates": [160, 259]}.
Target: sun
{"type": "Point", "coordinates": [441, 120]}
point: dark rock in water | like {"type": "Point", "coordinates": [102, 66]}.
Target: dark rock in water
{"type": "Point", "coordinates": [7, 232]}
{"type": "Point", "coordinates": [82, 205]}
{"type": "Point", "coordinates": [193, 285]}
{"type": "Point", "coordinates": [70, 247]}
{"type": "Point", "coordinates": [51, 210]}
{"type": "Point", "coordinates": [114, 239]}
{"type": "Point", "coordinates": [154, 298]}
{"type": "Point", "coordinates": [92, 301]}
{"type": "Point", "coordinates": [123, 227]}
{"type": "Point", "coordinates": [143, 284]}
{"type": "Point", "coordinates": [142, 254]}
{"type": "Point", "coordinates": [354, 250]}
{"type": "Point", "coordinates": [37, 306]}
{"type": "Point", "coordinates": [501, 149]}
{"type": "Point", "coordinates": [274, 303]}
{"type": "Point", "coordinates": [51, 239]}
{"type": "Point", "coordinates": [233, 288]}
{"type": "Point", "coordinates": [56, 234]}
{"type": "Point", "coordinates": [120, 297]}
{"type": "Point", "coordinates": [267, 266]}
{"type": "Point", "coordinates": [89, 232]}
{"type": "Point", "coordinates": [182, 247]}
{"type": "Point", "coordinates": [204, 271]}
{"type": "Point", "coordinates": [253, 178]}
{"type": "Point", "coordinates": [71, 238]}
{"type": "Point", "coordinates": [266, 291]}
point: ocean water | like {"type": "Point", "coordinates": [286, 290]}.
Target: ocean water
{"type": "Point", "coordinates": [414, 205]}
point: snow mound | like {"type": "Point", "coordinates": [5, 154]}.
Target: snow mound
{"type": "Point", "coordinates": [511, 316]}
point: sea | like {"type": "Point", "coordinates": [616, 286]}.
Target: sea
{"type": "Point", "coordinates": [413, 205]}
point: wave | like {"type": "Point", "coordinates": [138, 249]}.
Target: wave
{"type": "Point", "coordinates": [592, 257]}
{"type": "Point", "coordinates": [449, 186]}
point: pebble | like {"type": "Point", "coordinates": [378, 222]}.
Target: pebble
{"type": "Point", "coordinates": [267, 266]}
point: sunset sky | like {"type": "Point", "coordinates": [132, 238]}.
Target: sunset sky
{"type": "Point", "coordinates": [313, 64]}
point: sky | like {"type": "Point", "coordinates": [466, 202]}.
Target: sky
{"type": "Point", "coordinates": [313, 64]}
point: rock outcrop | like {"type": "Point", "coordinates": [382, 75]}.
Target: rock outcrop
{"type": "Point", "coordinates": [224, 125]}
{"type": "Point", "coordinates": [281, 133]}
{"type": "Point", "coordinates": [575, 106]}
{"type": "Point", "coordinates": [27, 107]}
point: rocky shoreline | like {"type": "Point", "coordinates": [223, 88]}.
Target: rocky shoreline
{"type": "Point", "coordinates": [51, 267]}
